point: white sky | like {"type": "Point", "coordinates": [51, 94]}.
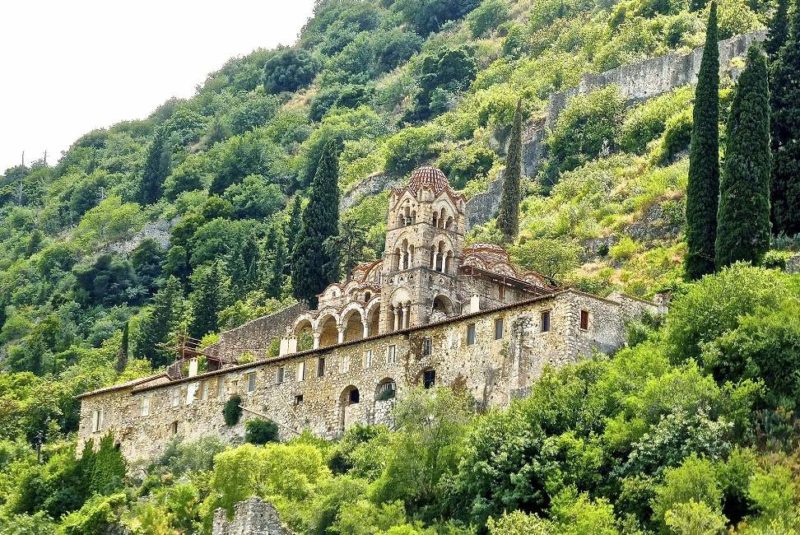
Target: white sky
{"type": "Point", "coordinates": [69, 66]}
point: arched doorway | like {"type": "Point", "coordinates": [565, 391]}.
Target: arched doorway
{"type": "Point", "coordinates": [349, 407]}
{"type": "Point", "coordinates": [328, 332]}
{"type": "Point", "coordinates": [353, 326]}
{"type": "Point", "coordinates": [442, 308]}
{"type": "Point", "coordinates": [304, 333]}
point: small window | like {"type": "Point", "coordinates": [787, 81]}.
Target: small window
{"type": "Point", "coordinates": [353, 396]}
{"type": "Point", "coordinates": [174, 428]}
{"type": "Point", "coordinates": [176, 397]}
{"type": "Point", "coordinates": [344, 367]}
{"type": "Point", "coordinates": [251, 382]}
{"type": "Point", "coordinates": [584, 320]}
{"type": "Point", "coordinates": [546, 321]}
{"type": "Point", "coordinates": [391, 356]}
{"type": "Point", "coordinates": [321, 367]}
{"type": "Point", "coordinates": [501, 293]}
{"type": "Point", "coordinates": [298, 399]}
{"type": "Point", "coordinates": [428, 378]}
{"type": "Point", "coordinates": [146, 406]}
{"type": "Point", "coordinates": [368, 358]}
{"type": "Point", "coordinates": [470, 334]}
{"type": "Point", "coordinates": [281, 374]}
{"type": "Point", "coordinates": [426, 346]}
{"type": "Point", "coordinates": [204, 391]}
{"type": "Point", "coordinates": [301, 371]}
{"type": "Point", "coordinates": [191, 393]}
{"type": "Point", "coordinates": [367, 297]}
{"type": "Point", "coordinates": [221, 388]}
{"type": "Point", "coordinates": [386, 390]}
{"type": "Point", "coordinates": [499, 328]}
{"type": "Point", "coordinates": [97, 420]}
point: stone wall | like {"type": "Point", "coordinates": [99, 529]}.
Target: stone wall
{"type": "Point", "coordinates": [250, 517]}
{"type": "Point", "coordinates": [291, 391]}
{"type": "Point", "coordinates": [255, 336]}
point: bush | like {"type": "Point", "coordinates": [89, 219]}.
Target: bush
{"type": "Point", "coordinates": [258, 431]}
{"type": "Point", "coordinates": [410, 148]}
{"type": "Point", "coordinates": [695, 480]}
{"type": "Point", "coordinates": [676, 138]}
{"type": "Point", "coordinates": [647, 121]}
{"type": "Point", "coordinates": [289, 70]}
{"type": "Point", "coordinates": [232, 411]}
{"type": "Point", "coordinates": [487, 16]}
{"type": "Point", "coordinates": [462, 165]}
{"type": "Point", "coordinates": [623, 249]}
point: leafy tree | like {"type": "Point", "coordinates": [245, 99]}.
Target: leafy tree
{"type": "Point", "coordinates": [702, 191]}
{"type": "Point", "coordinates": [394, 48]}
{"type": "Point", "coordinates": [410, 148]}
{"type": "Point", "coordinates": [693, 481]}
{"type": "Point", "coordinates": [110, 280]}
{"type": "Point", "coordinates": [146, 261]}
{"type": "Point", "coordinates": [743, 221]}
{"type": "Point", "coordinates": [694, 518]}
{"type": "Point", "coordinates": [254, 198]}
{"type": "Point", "coordinates": [548, 256]}
{"type": "Point", "coordinates": [156, 168]}
{"type": "Point", "coordinates": [312, 265]}
{"type": "Point", "coordinates": [260, 432]}
{"type": "Point", "coordinates": [487, 16]}
{"type": "Point", "coordinates": [449, 70]}
{"type": "Point", "coordinates": [778, 30]}
{"type": "Point", "coordinates": [428, 16]}
{"type": "Point", "coordinates": [208, 298]}
{"type": "Point", "coordinates": [159, 325]}
{"type": "Point", "coordinates": [785, 130]}
{"type": "Point", "coordinates": [508, 217]}
{"type": "Point", "coordinates": [289, 69]}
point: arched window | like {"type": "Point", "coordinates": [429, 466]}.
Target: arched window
{"type": "Point", "coordinates": [386, 390]}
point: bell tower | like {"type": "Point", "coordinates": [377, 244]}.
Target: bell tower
{"type": "Point", "coordinates": [424, 241]}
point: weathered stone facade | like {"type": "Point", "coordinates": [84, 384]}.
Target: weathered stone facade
{"type": "Point", "coordinates": [250, 517]}
{"type": "Point", "coordinates": [431, 312]}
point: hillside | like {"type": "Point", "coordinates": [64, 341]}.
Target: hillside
{"type": "Point", "coordinates": [184, 223]}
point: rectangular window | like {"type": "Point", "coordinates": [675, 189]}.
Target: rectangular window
{"type": "Point", "coordinates": [191, 392]}
{"type": "Point", "coordinates": [546, 321]}
{"type": "Point", "coordinates": [502, 293]}
{"type": "Point", "coordinates": [368, 358]}
{"type": "Point", "coordinates": [146, 406]}
{"type": "Point", "coordinates": [204, 391]}
{"type": "Point", "coordinates": [499, 328]}
{"type": "Point", "coordinates": [321, 367]}
{"type": "Point", "coordinates": [97, 420]}
{"type": "Point", "coordinates": [584, 320]}
{"type": "Point", "coordinates": [176, 397]}
{"type": "Point", "coordinates": [391, 356]}
{"type": "Point", "coordinates": [298, 399]}
{"type": "Point", "coordinates": [174, 428]}
{"type": "Point", "coordinates": [281, 374]}
{"type": "Point", "coordinates": [470, 334]}
{"type": "Point", "coordinates": [426, 346]}
{"type": "Point", "coordinates": [221, 387]}
{"type": "Point", "coordinates": [301, 371]}
{"type": "Point", "coordinates": [344, 367]}
{"type": "Point", "coordinates": [429, 378]}
{"type": "Point", "coordinates": [251, 382]}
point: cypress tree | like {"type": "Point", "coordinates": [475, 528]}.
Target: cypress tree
{"type": "Point", "coordinates": [122, 356]}
{"type": "Point", "coordinates": [209, 297]}
{"type": "Point", "coordinates": [785, 127]}
{"type": "Point", "coordinates": [508, 217]}
{"type": "Point", "coordinates": [159, 323]}
{"type": "Point", "coordinates": [743, 222]}
{"type": "Point", "coordinates": [312, 265]}
{"type": "Point", "coordinates": [276, 276]}
{"type": "Point", "coordinates": [156, 169]}
{"type": "Point", "coordinates": [778, 30]}
{"type": "Point", "coordinates": [702, 191]}
{"type": "Point", "coordinates": [294, 225]}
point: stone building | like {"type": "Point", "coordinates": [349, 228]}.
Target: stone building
{"type": "Point", "coordinates": [431, 312]}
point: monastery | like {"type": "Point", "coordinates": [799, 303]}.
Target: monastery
{"type": "Point", "coordinates": [432, 312]}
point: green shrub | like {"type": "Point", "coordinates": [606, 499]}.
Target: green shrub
{"type": "Point", "coordinates": [487, 16]}
{"type": "Point", "coordinates": [289, 69]}
{"type": "Point", "coordinates": [676, 138]}
{"type": "Point", "coordinates": [462, 165]}
{"type": "Point", "coordinates": [648, 120]}
{"type": "Point", "coordinates": [624, 249]}
{"type": "Point", "coordinates": [232, 411]}
{"type": "Point", "coordinates": [410, 148]}
{"type": "Point", "coordinates": [258, 431]}
{"type": "Point", "coordinates": [776, 259]}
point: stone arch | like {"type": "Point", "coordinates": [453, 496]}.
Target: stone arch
{"type": "Point", "coordinates": [352, 322]}
{"type": "Point", "coordinates": [327, 330]}
{"type": "Point", "coordinates": [372, 313]}
{"type": "Point", "coordinates": [442, 305]}
{"type": "Point", "coordinates": [349, 400]}
{"type": "Point", "coordinates": [399, 309]}
{"type": "Point", "coordinates": [303, 331]}
{"type": "Point", "coordinates": [386, 389]}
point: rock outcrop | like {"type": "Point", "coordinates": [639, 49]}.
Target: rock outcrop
{"type": "Point", "coordinates": [251, 517]}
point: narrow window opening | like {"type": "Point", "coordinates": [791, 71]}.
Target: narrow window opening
{"type": "Point", "coordinates": [471, 334]}
{"type": "Point", "coordinates": [499, 328]}
{"type": "Point", "coordinates": [584, 320]}
{"type": "Point", "coordinates": [427, 346]}
{"type": "Point", "coordinates": [298, 399]}
{"type": "Point", "coordinates": [546, 321]}
{"type": "Point", "coordinates": [391, 357]}
{"type": "Point", "coordinates": [321, 367]}
{"type": "Point", "coordinates": [428, 378]}
{"type": "Point", "coordinates": [281, 374]}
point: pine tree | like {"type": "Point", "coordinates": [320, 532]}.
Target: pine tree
{"type": "Point", "coordinates": [312, 268]}
{"type": "Point", "coordinates": [778, 30]}
{"type": "Point", "coordinates": [785, 128]}
{"type": "Point", "coordinates": [160, 323]}
{"type": "Point", "coordinates": [702, 191]}
{"type": "Point", "coordinates": [209, 297]}
{"type": "Point", "coordinates": [156, 169]}
{"type": "Point", "coordinates": [743, 222]}
{"type": "Point", "coordinates": [508, 217]}
{"type": "Point", "coordinates": [122, 355]}
{"type": "Point", "coordinates": [294, 225]}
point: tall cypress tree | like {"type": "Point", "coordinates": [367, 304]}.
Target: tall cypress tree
{"type": "Point", "coordinates": [743, 222]}
{"type": "Point", "coordinates": [778, 30]}
{"type": "Point", "coordinates": [785, 127]}
{"type": "Point", "coordinates": [156, 168]}
{"type": "Point", "coordinates": [508, 217]}
{"type": "Point", "coordinates": [159, 324]}
{"type": "Point", "coordinates": [278, 267]}
{"type": "Point", "coordinates": [294, 225]}
{"type": "Point", "coordinates": [313, 268]}
{"type": "Point", "coordinates": [702, 191]}
{"type": "Point", "coordinates": [122, 355]}
{"type": "Point", "coordinates": [209, 297]}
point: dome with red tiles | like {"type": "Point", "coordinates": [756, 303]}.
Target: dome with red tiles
{"type": "Point", "coordinates": [428, 178]}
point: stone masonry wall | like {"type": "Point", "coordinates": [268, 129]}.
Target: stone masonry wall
{"type": "Point", "coordinates": [492, 370]}
{"type": "Point", "coordinates": [250, 517]}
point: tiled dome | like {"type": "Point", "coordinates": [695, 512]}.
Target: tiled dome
{"type": "Point", "coordinates": [428, 178]}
